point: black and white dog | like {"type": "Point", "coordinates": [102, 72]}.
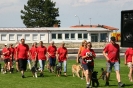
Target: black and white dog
{"type": "Point", "coordinates": [34, 71]}
{"type": "Point", "coordinates": [58, 70]}
{"type": "Point", "coordinates": [94, 79]}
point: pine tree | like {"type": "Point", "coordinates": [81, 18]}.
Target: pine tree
{"type": "Point", "coordinates": [40, 13]}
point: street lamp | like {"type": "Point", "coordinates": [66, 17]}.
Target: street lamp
{"type": "Point", "coordinates": [78, 19]}
{"type": "Point", "coordinates": [90, 21]}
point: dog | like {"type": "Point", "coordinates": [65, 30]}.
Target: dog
{"type": "Point", "coordinates": [76, 69]}
{"type": "Point", "coordinates": [94, 79]}
{"type": "Point", "coordinates": [58, 70]}
{"type": "Point", "coordinates": [34, 71]}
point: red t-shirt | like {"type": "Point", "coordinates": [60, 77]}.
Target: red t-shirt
{"type": "Point", "coordinates": [15, 49]}
{"type": "Point", "coordinates": [129, 54]}
{"type": "Point", "coordinates": [33, 52]}
{"type": "Point", "coordinates": [52, 51]}
{"type": "Point", "coordinates": [62, 52]}
{"type": "Point", "coordinates": [113, 51]}
{"type": "Point", "coordinates": [41, 52]}
{"type": "Point", "coordinates": [12, 50]}
{"type": "Point", "coordinates": [22, 51]}
{"type": "Point", "coordinates": [7, 53]}
{"type": "Point", "coordinates": [84, 53]}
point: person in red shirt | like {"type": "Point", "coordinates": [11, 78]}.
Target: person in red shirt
{"type": "Point", "coordinates": [129, 62]}
{"type": "Point", "coordinates": [62, 56]}
{"type": "Point", "coordinates": [7, 58]}
{"type": "Point", "coordinates": [11, 48]}
{"type": "Point", "coordinates": [22, 53]}
{"type": "Point", "coordinates": [16, 60]}
{"type": "Point", "coordinates": [33, 56]}
{"type": "Point", "coordinates": [111, 53]}
{"type": "Point", "coordinates": [88, 56]}
{"type": "Point", "coordinates": [52, 56]}
{"type": "Point", "coordinates": [41, 53]}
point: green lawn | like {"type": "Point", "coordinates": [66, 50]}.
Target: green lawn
{"type": "Point", "coordinates": [51, 81]}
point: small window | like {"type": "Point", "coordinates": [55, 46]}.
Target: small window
{"type": "Point", "coordinates": [67, 36]}
{"type": "Point", "coordinates": [79, 36]}
{"type": "Point", "coordinates": [27, 37]}
{"type": "Point", "coordinates": [3, 37]}
{"type": "Point", "coordinates": [85, 36]}
{"type": "Point", "coordinates": [53, 36]}
{"type": "Point", "coordinates": [59, 36]}
{"type": "Point", "coordinates": [11, 37]}
{"type": "Point", "coordinates": [35, 37]}
{"type": "Point", "coordinates": [72, 36]}
{"type": "Point", "coordinates": [19, 36]}
{"type": "Point", "coordinates": [42, 36]}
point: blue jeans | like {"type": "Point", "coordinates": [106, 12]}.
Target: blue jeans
{"type": "Point", "coordinates": [42, 63]}
{"type": "Point", "coordinates": [52, 61]}
{"type": "Point", "coordinates": [65, 65]}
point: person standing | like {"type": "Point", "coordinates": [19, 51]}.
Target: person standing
{"type": "Point", "coordinates": [88, 56]}
{"type": "Point", "coordinates": [81, 48]}
{"type": "Point", "coordinates": [6, 57]}
{"type": "Point", "coordinates": [33, 55]}
{"type": "Point", "coordinates": [52, 56]}
{"type": "Point", "coordinates": [11, 48]}
{"type": "Point", "coordinates": [41, 53]}
{"type": "Point", "coordinates": [129, 62]}
{"type": "Point", "coordinates": [62, 56]}
{"type": "Point", "coordinates": [111, 53]}
{"type": "Point", "coordinates": [22, 53]}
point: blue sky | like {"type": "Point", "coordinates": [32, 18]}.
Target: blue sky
{"type": "Point", "coordinates": [104, 12]}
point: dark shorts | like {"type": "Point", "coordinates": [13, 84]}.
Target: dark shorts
{"type": "Point", "coordinates": [7, 60]}
{"type": "Point", "coordinates": [52, 61]}
{"type": "Point", "coordinates": [88, 67]}
{"type": "Point", "coordinates": [80, 60]}
{"type": "Point", "coordinates": [22, 64]}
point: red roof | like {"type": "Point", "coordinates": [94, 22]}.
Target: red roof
{"type": "Point", "coordinates": [95, 26]}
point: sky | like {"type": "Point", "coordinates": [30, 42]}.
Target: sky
{"type": "Point", "coordinates": [94, 12]}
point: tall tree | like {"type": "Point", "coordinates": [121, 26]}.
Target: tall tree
{"type": "Point", "coordinates": [40, 13]}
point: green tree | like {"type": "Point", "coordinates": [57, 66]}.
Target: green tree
{"type": "Point", "coordinates": [40, 13]}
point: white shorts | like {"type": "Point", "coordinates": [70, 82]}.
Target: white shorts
{"type": "Point", "coordinates": [129, 64]}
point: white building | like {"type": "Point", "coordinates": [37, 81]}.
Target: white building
{"type": "Point", "coordinates": [57, 34]}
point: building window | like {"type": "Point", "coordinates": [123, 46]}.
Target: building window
{"type": "Point", "coordinates": [85, 36]}
{"type": "Point", "coordinates": [79, 36]}
{"type": "Point", "coordinates": [67, 36]}
{"type": "Point", "coordinates": [11, 37]}
{"type": "Point", "coordinates": [72, 36]}
{"type": "Point", "coordinates": [59, 36]}
{"type": "Point", "coordinates": [27, 37]}
{"type": "Point", "coordinates": [42, 36]}
{"type": "Point", "coordinates": [19, 36]}
{"type": "Point", "coordinates": [103, 37]}
{"type": "Point", "coordinates": [53, 36]}
{"type": "Point", "coordinates": [94, 37]}
{"type": "Point", "coordinates": [3, 37]}
{"type": "Point", "coordinates": [35, 37]}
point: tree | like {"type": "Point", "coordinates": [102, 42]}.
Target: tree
{"type": "Point", "coordinates": [40, 13]}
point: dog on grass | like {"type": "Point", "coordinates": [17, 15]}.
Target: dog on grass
{"type": "Point", "coordinates": [76, 69]}
{"type": "Point", "coordinates": [34, 71]}
{"type": "Point", "coordinates": [58, 70]}
{"type": "Point", "coordinates": [94, 79]}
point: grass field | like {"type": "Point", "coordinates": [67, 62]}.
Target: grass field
{"type": "Point", "coordinates": [49, 80]}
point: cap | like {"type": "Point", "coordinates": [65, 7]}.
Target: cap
{"type": "Point", "coordinates": [22, 38]}
{"type": "Point", "coordinates": [112, 38]}
{"type": "Point", "coordinates": [6, 44]}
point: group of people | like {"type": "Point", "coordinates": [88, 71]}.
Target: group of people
{"type": "Point", "coordinates": [86, 55]}
{"type": "Point", "coordinates": [111, 51]}
{"type": "Point", "coordinates": [21, 53]}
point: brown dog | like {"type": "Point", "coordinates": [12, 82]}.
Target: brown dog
{"type": "Point", "coordinates": [76, 69]}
